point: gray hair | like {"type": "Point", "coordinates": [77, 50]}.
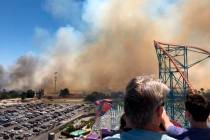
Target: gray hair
{"type": "Point", "coordinates": [143, 96]}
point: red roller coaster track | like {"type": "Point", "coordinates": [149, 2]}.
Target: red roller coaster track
{"type": "Point", "coordinates": [159, 45]}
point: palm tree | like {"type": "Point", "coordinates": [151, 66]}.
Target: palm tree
{"type": "Point", "coordinates": [202, 91]}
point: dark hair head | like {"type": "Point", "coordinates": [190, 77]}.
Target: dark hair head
{"type": "Point", "coordinates": [198, 106]}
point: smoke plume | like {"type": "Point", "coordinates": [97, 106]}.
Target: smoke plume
{"type": "Point", "coordinates": [2, 73]}
{"type": "Point", "coordinates": [115, 45]}
{"type": "Point", "coordinates": [22, 73]}
{"type": "Point", "coordinates": [195, 30]}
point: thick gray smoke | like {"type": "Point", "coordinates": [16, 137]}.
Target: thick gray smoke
{"type": "Point", "coordinates": [2, 73]}
{"type": "Point", "coordinates": [117, 43]}
{"type": "Point", "coordinates": [21, 74]}
{"type": "Point", "coordinates": [195, 30]}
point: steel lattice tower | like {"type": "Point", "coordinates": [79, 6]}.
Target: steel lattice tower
{"type": "Point", "coordinates": [173, 71]}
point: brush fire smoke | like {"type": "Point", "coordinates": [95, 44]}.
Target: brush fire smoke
{"type": "Point", "coordinates": [117, 44]}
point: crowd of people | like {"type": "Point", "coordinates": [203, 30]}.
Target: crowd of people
{"type": "Point", "coordinates": [145, 117]}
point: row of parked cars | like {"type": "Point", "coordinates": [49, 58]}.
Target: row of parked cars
{"type": "Point", "coordinates": [29, 120]}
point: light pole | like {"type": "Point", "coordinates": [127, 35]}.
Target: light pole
{"type": "Point", "coordinates": [55, 78]}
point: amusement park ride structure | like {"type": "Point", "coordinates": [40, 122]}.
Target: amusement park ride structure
{"type": "Point", "coordinates": [174, 66]}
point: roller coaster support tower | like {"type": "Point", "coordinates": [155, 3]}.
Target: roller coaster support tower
{"type": "Point", "coordinates": [173, 71]}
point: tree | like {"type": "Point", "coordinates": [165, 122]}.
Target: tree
{"type": "Point", "coordinates": [64, 92]}
{"type": "Point", "coordinates": [27, 94]}
{"type": "Point", "coordinates": [23, 96]}
{"type": "Point", "coordinates": [202, 91]}
{"type": "Point", "coordinates": [94, 96]}
{"type": "Point", "coordinates": [30, 93]}
{"type": "Point", "coordinates": [13, 94]}
{"type": "Point", "coordinates": [4, 94]}
{"type": "Point", "coordinates": [40, 94]}
{"type": "Point", "coordinates": [70, 128]}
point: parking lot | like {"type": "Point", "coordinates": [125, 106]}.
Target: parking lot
{"type": "Point", "coordinates": [26, 121]}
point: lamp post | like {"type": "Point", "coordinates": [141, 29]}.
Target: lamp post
{"type": "Point", "coordinates": [55, 78]}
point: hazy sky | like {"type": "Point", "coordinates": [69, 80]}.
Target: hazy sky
{"type": "Point", "coordinates": [24, 23]}
{"type": "Point", "coordinates": [91, 37]}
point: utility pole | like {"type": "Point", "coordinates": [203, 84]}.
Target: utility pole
{"type": "Point", "coordinates": [55, 78]}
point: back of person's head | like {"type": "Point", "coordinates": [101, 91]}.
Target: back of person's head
{"type": "Point", "coordinates": [198, 106]}
{"type": "Point", "coordinates": [143, 96]}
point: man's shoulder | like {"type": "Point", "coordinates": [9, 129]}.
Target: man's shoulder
{"type": "Point", "coordinates": [198, 130]}
{"type": "Point", "coordinates": [166, 137]}
{"type": "Point", "coordinates": [114, 137]}
{"type": "Point", "coordinates": [175, 130]}
{"type": "Point", "coordinates": [196, 133]}
{"type": "Point", "coordinates": [133, 135]}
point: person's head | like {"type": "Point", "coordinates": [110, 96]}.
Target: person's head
{"type": "Point", "coordinates": [197, 108]}
{"type": "Point", "coordinates": [144, 100]}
